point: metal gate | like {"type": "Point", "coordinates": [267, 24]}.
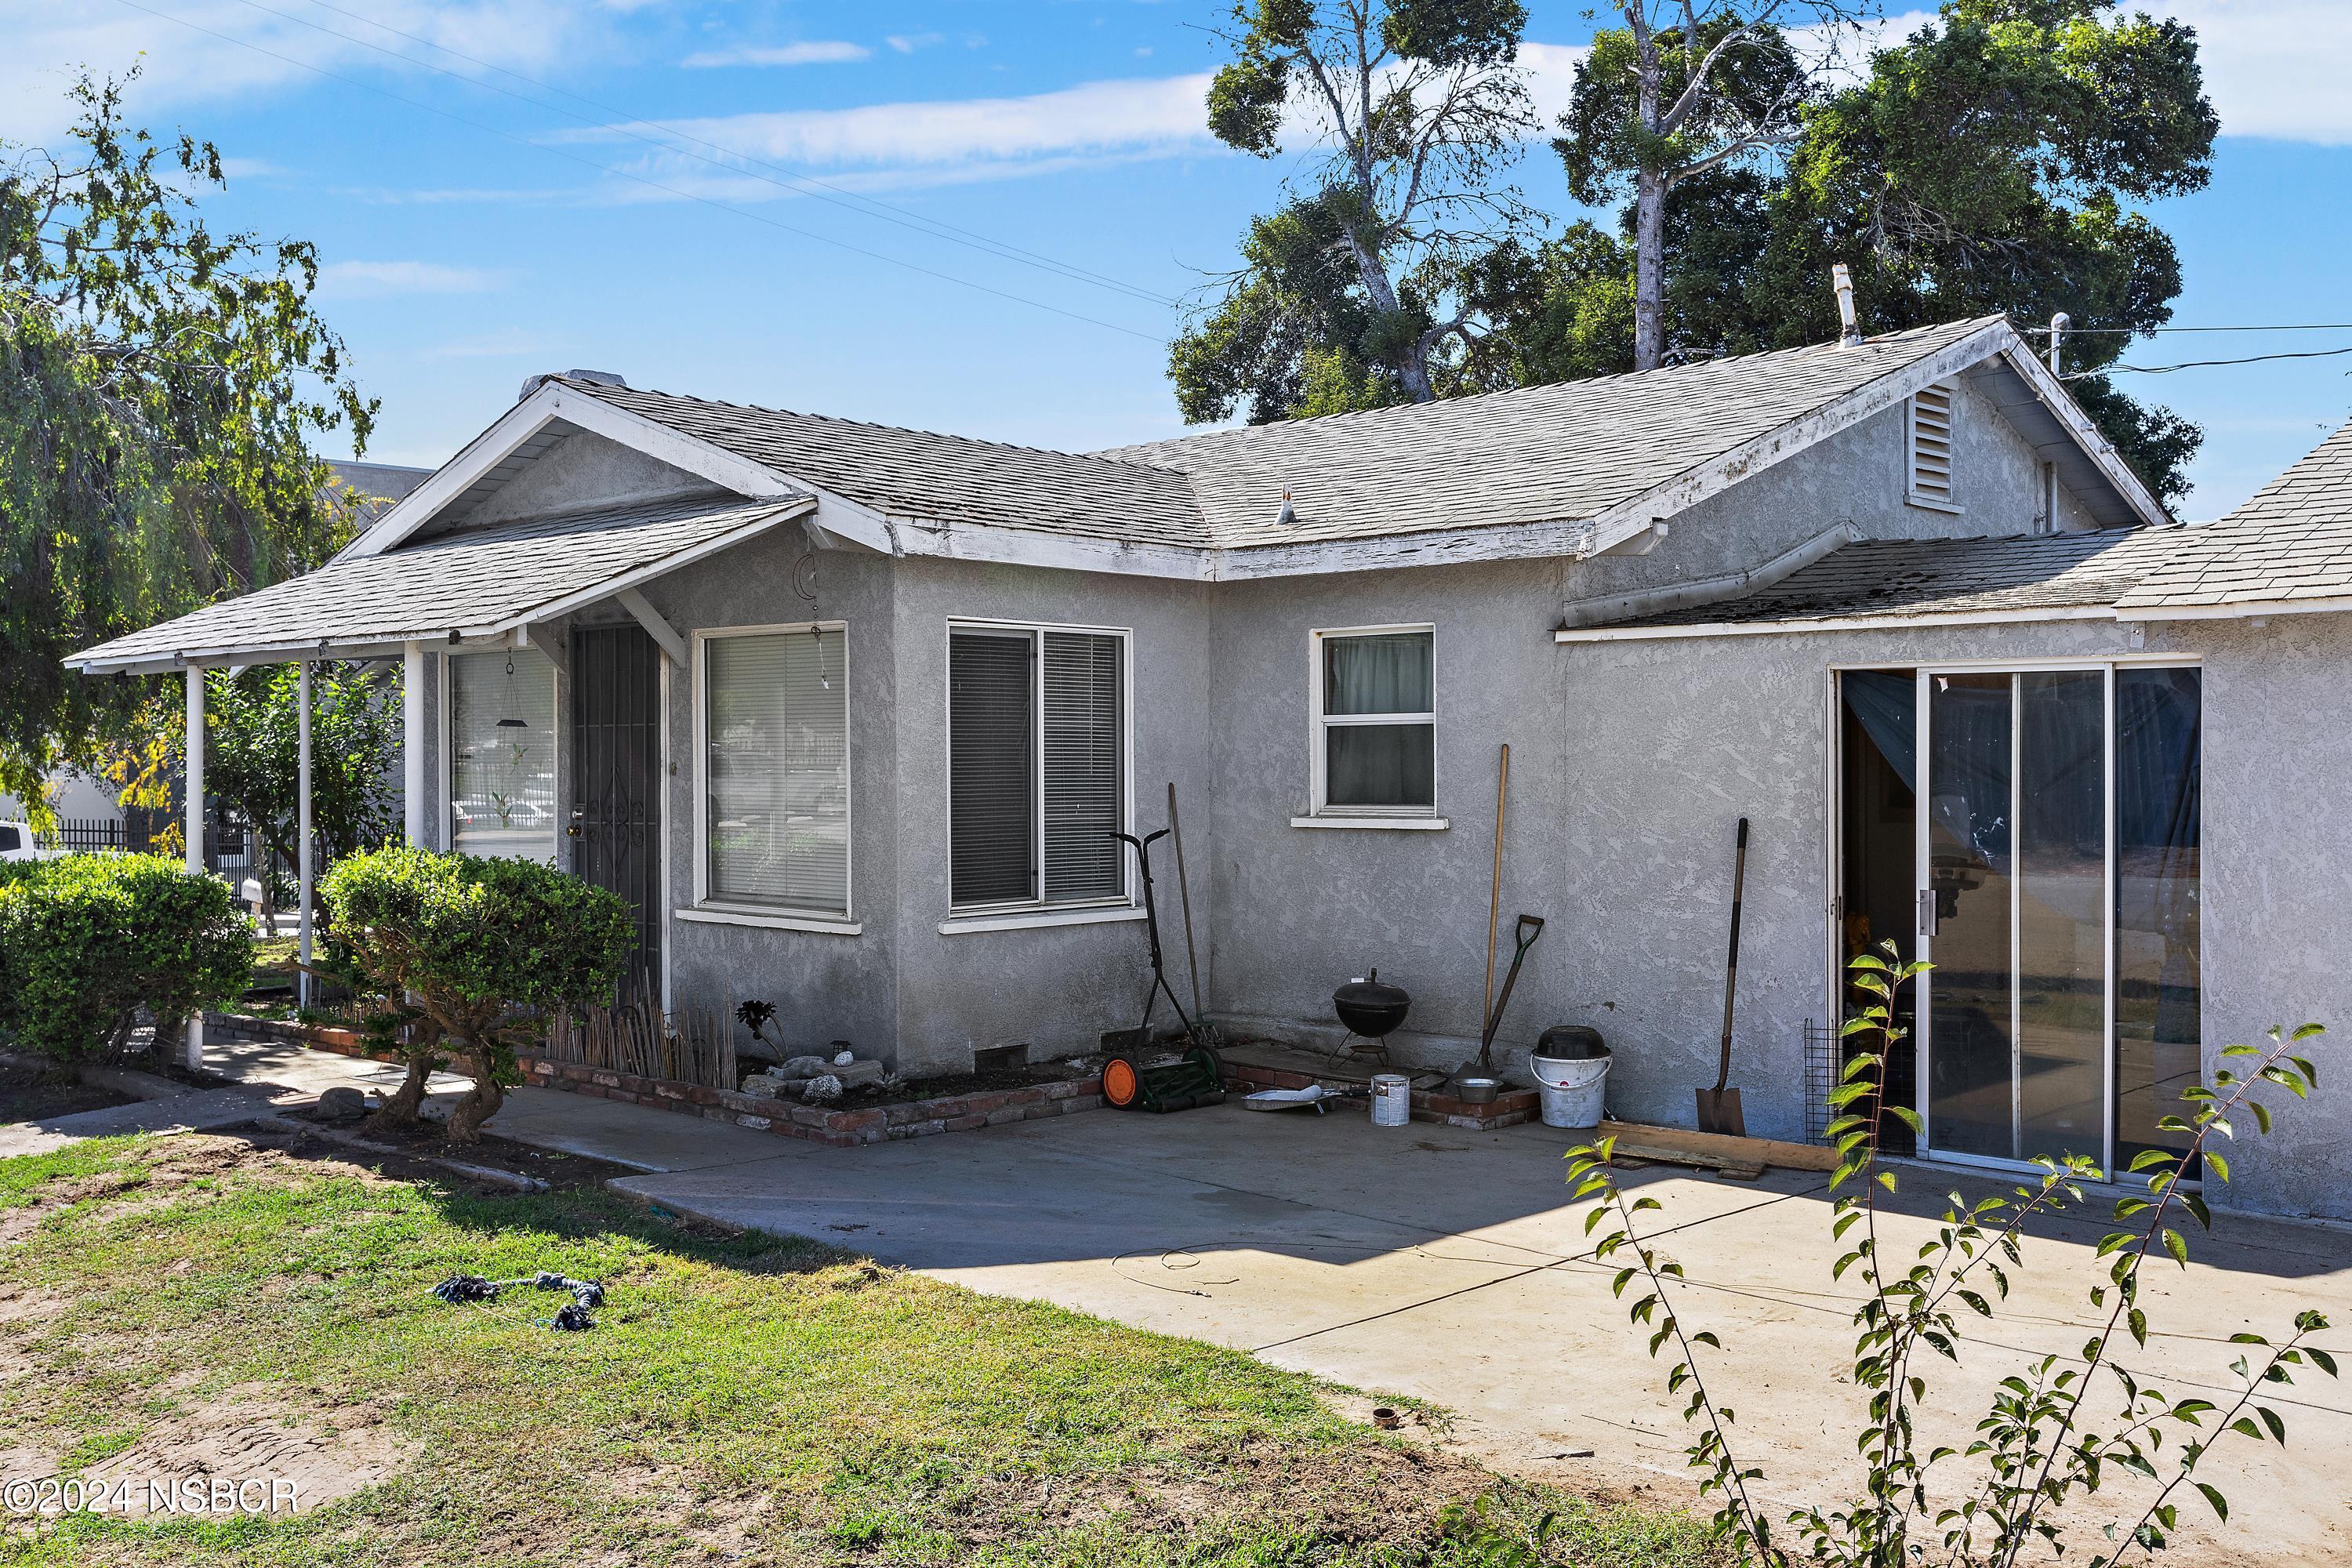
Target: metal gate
{"type": "Point", "coordinates": [617, 781]}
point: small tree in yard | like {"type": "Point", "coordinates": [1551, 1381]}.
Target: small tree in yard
{"type": "Point", "coordinates": [2058, 1430]}
{"type": "Point", "coordinates": [88, 940]}
{"type": "Point", "coordinates": [476, 947]}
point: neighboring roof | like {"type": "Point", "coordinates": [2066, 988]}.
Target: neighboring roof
{"type": "Point", "coordinates": [1899, 578]}
{"type": "Point", "coordinates": [917, 475]}
{"type": "Point", "coordinates": [472, 584]}
{"type": "Point", "coordinates": [1568, 450]}
{"type": "Point", "coordinates": [2292, 544]}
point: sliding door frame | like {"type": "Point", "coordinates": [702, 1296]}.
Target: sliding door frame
{"type": "Point", "coordinates": [1924, 940]}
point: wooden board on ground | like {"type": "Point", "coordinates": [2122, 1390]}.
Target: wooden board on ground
{"type": "Point", "coordinates": [1713, 1150]}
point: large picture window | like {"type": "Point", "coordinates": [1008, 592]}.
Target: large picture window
{"type": "Point", "coordinates": [1376, 722]}
{"type": "Point", "coordinates": [502, 754]}
{"type": "Point", "coordinates": [775, 757]}
{"type": "Point", "coordinates": [1036, 766]}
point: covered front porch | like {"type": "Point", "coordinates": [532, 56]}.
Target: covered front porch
{"type": "Point", "coordinates": [535, 674]}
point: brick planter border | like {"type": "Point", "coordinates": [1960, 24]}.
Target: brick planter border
{"type": "Point", "coordinates": [784, 1117]}
{"type": "Point", "coordinates": [1509, 1108]}
{"type": "Point", "coordinates": [835, 1127]}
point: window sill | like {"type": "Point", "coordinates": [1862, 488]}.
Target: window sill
{"type": "Point", "coordinates": [1394, 824]}
{"type": "Point", "coordinates": [1033, 920]}
{"type": "Point", "coordinates": [1930, 504]}
{"type": "Point", "coordinates": [824, 925]}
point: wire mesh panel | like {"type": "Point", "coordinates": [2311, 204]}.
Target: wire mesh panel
{"type": "Point", "coordinates": [1821, 1077]}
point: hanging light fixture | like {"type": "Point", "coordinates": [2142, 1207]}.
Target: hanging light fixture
{"type": "Point", "coordinates": [510, 722]}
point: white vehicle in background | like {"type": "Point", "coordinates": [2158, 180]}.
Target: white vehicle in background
{"type": "Point", "coordinates": [17, 843]}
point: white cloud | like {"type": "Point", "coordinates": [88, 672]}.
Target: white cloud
{"type": "Point", "coordinates": [2275, 67]}
{"type": "Point", "coordinates": [376, 280]}
{"type": "Point", "coordinates": [908, 43]}
{"type": "Point", "coordinates": [903, 143]}
{"type": "Point", "coordinates": [216, 57]}
{"type": "Point", "coordinates": [813, 52]}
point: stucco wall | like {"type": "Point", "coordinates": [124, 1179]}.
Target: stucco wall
{"type": "Point", "coordinates": [582, 472]}
{"type": "Point", "coordinates": [2277, 927]}
{"type": "Point", "coordinates": [1056, 988]}
{"type": "Point", "coordinates": [826, 986]}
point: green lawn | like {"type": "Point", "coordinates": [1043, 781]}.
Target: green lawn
{"type": "Point", "coordinates": [742, 1399]}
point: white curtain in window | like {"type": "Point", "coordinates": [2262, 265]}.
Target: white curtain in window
{"type": "Point", "coordinates": [502, 754]}
{"type": "Point", "coordinates": [777, 727]}
{"type": "Point", "coordinates": [1374, 765]}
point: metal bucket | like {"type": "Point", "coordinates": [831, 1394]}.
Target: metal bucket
{"type": "Point", "coordinates": [1391, 1100]}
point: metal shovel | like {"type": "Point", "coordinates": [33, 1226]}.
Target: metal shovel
{"type": "Point", "coordinates": [1718, 1108]}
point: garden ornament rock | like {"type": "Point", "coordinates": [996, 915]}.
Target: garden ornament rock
{"type": "Point", "coordinates": [342, 1103]}
{"type": "Point", "coordinates": [823, 1090]}
{"type": "Point", "coordinates": [804, 1067]}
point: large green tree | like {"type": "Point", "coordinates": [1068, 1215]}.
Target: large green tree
{"type": "Point", "coordinates": [2000, 159]}
{"type": "Point", "coordinates": [1355, 291]}
{"type": "Point", "coordinates": [161, 387]}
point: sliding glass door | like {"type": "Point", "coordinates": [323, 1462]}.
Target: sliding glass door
{"type": "Point", "coordinates": [2057, 888]}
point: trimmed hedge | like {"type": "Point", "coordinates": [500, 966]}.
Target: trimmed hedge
{"type": "Point", "coordinates": [86, 940]}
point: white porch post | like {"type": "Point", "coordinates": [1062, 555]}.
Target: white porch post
{"type": "Point", "coordinates": [411, 738]}
{"type": "Point", "coordinates": [192, 1043]}
{"type": "Point", "coordinates": [302, 818]}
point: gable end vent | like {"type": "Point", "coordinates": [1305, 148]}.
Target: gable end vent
{"type": "Point", "coordinates": [1930, 448]}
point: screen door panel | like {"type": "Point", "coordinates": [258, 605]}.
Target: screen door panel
{"type": "Point", "coordinates": [1972, 1024]}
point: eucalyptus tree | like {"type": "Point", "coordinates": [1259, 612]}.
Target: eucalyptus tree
{"type": "Point", "coordinates": [1407, 113]}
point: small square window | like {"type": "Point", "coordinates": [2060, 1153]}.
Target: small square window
{"type": "Point", "coordinates": [1376, 722]}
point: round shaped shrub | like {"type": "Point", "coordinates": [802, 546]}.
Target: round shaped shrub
{"type": "Point", "coordinates": [86, 940]}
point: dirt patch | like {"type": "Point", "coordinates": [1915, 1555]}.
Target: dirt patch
{"type": "Point", "coordinates": [427, 1141]}
{"type": "Point", "coordinates": [1363, 1496]}
{"type": "Point", "coordinates": [32, 1092]}
{"type": "Point", "coordinates": [269, 1463]}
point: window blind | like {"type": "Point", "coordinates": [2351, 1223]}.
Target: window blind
{"type": "Point", "coordinates": [502, 754]}
{"type": "Point", "coordinates": [991, 768]}
{"type": "Point", "coordinates": [777, 729]}
{"type": "Point", "coordinates": [1084, 742]}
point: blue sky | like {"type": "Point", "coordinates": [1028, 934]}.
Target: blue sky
{"type": "Point", "coordinates": [478, 226]}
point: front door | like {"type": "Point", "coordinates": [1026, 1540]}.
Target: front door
{"type": "Point", "coordinates": [617, 781]}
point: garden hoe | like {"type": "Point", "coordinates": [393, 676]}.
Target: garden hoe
{"type": "Point", "coordinates": [1718, 1108]}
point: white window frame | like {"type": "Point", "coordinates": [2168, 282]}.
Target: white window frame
{"type": "Point", "coordinates": [1322, 813]}
{"type": "Point", "coordinates": [445, 720]}
{"type": "Point", "coordinates": [1912, 494]}
{"type": "Point", "coordinates": [1021, 913]}
{"type": "Point", "coordinates": [709, 911]}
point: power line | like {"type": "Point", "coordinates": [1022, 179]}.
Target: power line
{"type": "Point", "coordinates": [643, 179]}
{"type": "Point", "coordinates": [729, 161]}
{"type": "Point", "coordinates": [2134, 332]}
{"type": "Point", "coordinates": [2204, 363]}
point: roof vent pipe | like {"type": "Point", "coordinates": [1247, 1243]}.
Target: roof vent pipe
{"type": "Point", "coordinates": [1287, 516]}
{"type": "Point", "coordinates": [1849, 330]}
{"type": "Point", "coordinates": [2058, 325]}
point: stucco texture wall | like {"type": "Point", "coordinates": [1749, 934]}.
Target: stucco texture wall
{"type": "Point", "coordinates": [1056, 989]}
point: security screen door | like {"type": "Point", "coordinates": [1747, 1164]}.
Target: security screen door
{"type": "Point", "coordinates": [2057, 903]}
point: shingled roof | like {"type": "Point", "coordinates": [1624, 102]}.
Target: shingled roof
{"type": "Point", "coordinates": [2292, 542]}
{"type": "Point", "coordinates": [1566, 451]}
{"type": "Point", "coordinates": [476, 583]}
{"type": "Point", "coordinates": [1560, 453]}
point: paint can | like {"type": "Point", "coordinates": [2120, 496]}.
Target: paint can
{"type": "Point", "coordinates": [1391, 1100]}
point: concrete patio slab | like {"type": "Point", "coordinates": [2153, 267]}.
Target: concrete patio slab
{"type": "Point", "coordinates": [1450, 1266]}
{"type": "Point", "coordinates": [181, 1113]}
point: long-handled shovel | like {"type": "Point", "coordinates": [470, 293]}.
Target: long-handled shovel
{"type": "Point", "coordinates": [1718, 1108]}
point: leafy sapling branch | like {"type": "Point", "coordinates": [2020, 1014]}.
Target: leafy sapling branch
{"type": "Point", "coordinates": [2045, 1443]}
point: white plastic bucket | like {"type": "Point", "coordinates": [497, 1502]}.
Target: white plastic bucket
{"type": "Point", "coordinates": [1391, 1100]}
{"type": "Point", "coordinates": [1571, 1088]}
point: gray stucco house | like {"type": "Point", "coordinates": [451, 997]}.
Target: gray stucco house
{"type": "Point", "coordinates": [850, 713]}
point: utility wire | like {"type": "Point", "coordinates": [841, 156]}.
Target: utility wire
{"type": "Point", "coordinates": [2204, 363]}
{"type": "Point", "coordinates": [728, 160]}
{"type": "Point", "coordinates": [643, 179]}
{"type": "Point", "coordinates": [2134, 332]}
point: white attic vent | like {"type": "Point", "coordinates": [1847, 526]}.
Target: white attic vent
{"type": "Point", "coordinates": [1930, 448]}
